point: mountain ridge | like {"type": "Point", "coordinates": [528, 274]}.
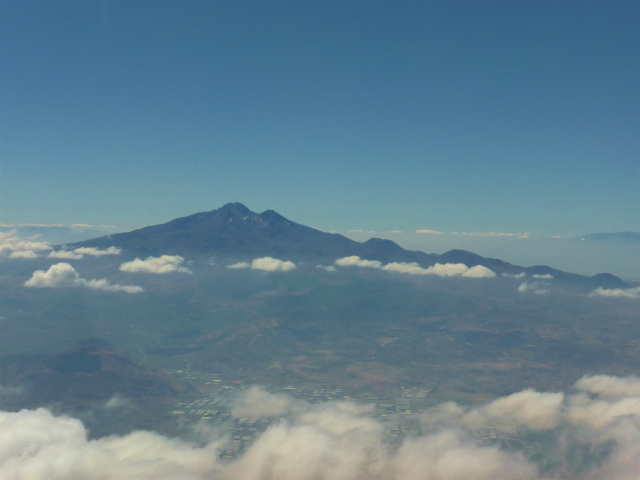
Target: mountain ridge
{"type": "Point", "coordinates": [236, 232]}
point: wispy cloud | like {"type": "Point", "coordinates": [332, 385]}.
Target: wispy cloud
{"type": "Point", "coordinates": [539, 288]}
{"type": "Point", "coordinates": [326, 268]}
{"type": "Point", "coordinates": [96, 252]}
{"type": "Point", "coordinates": [546, 276]}
{"type": "Point", "coordinates": [63, 275]}
{"type": "Point", "coordinates": [158, 265]}
{"type": "Point", "coordinates": [240, 265]}
{"type": "Point", "coordinates": [429, 232]}
{"type": "Point", "coordinates": [67, 254]}
{"type": "Point", "coordinates": [24, 254]}
{"type": "Point", "coordinates": [515, 275]}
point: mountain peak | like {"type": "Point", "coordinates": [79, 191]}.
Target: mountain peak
{"type": "Point", "coordinates": [235, 209]}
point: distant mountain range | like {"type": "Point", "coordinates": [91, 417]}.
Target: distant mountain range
{"type": "Point", "coordinates": [616, 237]}
{"type": "Point", "coordinates": [234, 231]}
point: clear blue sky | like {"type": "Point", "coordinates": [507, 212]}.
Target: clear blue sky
{"type": "Point", "coordinates": [453, 116]}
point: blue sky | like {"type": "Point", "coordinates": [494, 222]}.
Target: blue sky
{"type": "Point", "coordinates": [451, 116]}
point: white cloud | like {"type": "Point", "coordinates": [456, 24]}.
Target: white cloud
{"type": "Point", "coordinates": [609, 386]}
{"type": "Point", "coordinates": [270, 264]}
{"type": "Point", "coordinates": [429, 232]}
{"type": "Point", "coordinates": [546, 276]}
{"type": "Point", "coordinates": [63, 275]}
{"type": "Point", "coordinates": [11, 242]}
{"type": "Point", "coordinates": [329, 268]}
{"type": "Point", "coordinates": [81, 225]}
{"type": "Point", "coordinates": [103, 284]}
{"type": "Point", "coordinates": [479, 271]}
{"type": "Point", "coordinates": [68, 254]}
{"type": "Point", "coordinates": [159, 265]}
{"type": "Point", "coordinates": [342, 441]}
{"type": "Point", "coordinates": [515, 275]}
{"type": "Point", "coordinates": [441, 270]}
{"type": "Point", "coordinates": [240, 265]}
{"type": "Point", "coordinates": [539, 411]}
{"type": "Point", "coordinates": [24, 254]}
{"type": "Point", "coordinates": [413, 268]}
{"type": "Point", "coordinates": [96, 252]}
{"type": "Point", "coordinates": [539, 288]}
{"type": "Point", "coordinates": [617, 292]}
{"type": "Point", "coordinates": [58, 275]}
{"type": "Point", "coordinates": [355, 261]}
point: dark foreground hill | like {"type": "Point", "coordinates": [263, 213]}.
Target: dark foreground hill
{"type": "Point", "coordinates": [236, 232]}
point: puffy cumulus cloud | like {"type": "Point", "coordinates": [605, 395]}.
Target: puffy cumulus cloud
{"type": "Point", "coordinates": [240, 265]}
{"type": "Point", "coordinates": [16, 247]}
{"type": "Point", "coordinates": [535, 410]}
{"type": "Point", "coordinates": [159, 265]}
{"type": "Point", "coordinates": [546, 276]}
{"type": "Point", "coordinates": [515, 275]}
{"type": "Point", "coordinates": [609, 386]}
{"type": "Point", "coordinates": [63, 275]}
{"type": "Point", "coordinates": [270, 264]}
{"type": "Point", "coordinates": [67, 254]}
{"type": "Point", "coordinates": [441, 270]}
{"type": "Point", "coordinates": [616, 292]}
{"type": "Point", "coordinates": [343, 441]}
{"type": "Point", "coordinates": [356, 261]}
{"type": "Point", "coordinates": [479, 271]}
{"type": "Point", "coordinates": [326, 268]}
{"type": "Point", "coordinates": [96, 252]}
{"type": "Point", "coordinates": [539, 288]}
{"type": "Point", "coordinates": [35, 445]}
{"type": "Point", "coordinates": [58, 275]}
{"type": "Point", "coordinates": [448, 455]}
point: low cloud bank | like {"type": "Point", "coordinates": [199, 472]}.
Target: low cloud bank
{"type": "Point", "coordinates": [342, 440]}
{"type": "Point", "coordinates": [617, 292]}
{"type": "Point", "coordinates": [63, 275]}
{"type": "Point", "coordinates": [439, 269]}
{"type": "Point", "coordinates": [159, 265]}
{"type": "Point", "coordinates": [267, 264]}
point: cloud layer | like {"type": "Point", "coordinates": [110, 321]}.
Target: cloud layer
{"type": "Point", "coordinates": [63, 275]}
{"type": "Point", "coordinates": [439, 269]}
{"type": "Point", "coordinates": [342, 440]}
{"type": "Point", "coordinates": [159, 265]}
